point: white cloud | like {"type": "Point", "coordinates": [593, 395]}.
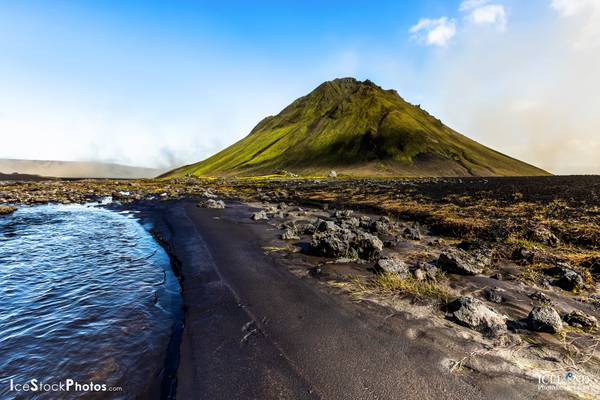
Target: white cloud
{"type": "Point", "coordinates": [585, 16]}
{"type": "Point", "coordinates": [492, 14]}
{"type": "Point", "coordinates": [570, 8]}
{"type": "Point", "coordinates": [480, 12]}
{"type": "Point", "coordinates": [468, 5]}
{"type": "Point", "coordinates": [434, 32]}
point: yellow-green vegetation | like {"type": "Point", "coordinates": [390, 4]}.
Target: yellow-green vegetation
{"type": "Point", "coordinates": [358, 129]}
{"type": "Point", "coordinates": [394, 284]}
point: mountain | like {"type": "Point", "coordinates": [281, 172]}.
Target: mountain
{"type": "Point", "coordinates": [74, 169]}
{"type": "Point", "coordinates": [356, 128]}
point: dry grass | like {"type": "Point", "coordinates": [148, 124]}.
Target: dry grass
{"type": "Point", "coordinates": [390, 284]}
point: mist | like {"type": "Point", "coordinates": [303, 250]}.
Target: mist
{"type": "Point", "coordinates": [530, 91]}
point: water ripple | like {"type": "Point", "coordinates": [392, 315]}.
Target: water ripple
{"type": "Point", "coordinates": [78, 291]}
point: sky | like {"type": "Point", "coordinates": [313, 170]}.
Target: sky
{"type": "Point", "coordinates": [165, 83]}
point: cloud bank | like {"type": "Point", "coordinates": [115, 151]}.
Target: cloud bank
{"type": "Point", "coordinates": [530, 90]}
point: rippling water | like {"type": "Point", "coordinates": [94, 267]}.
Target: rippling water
{"type": "Point", "coordinates": [85, 294]}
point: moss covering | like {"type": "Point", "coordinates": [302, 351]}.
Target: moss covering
{"type": "Point", "coordinates": [356, 128]}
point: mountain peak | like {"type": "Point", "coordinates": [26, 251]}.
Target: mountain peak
{"type": "Point", "coordinates": [356, 127]}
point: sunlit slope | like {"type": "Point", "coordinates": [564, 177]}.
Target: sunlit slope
{"type": "Point", "coordinates": [356, 128]}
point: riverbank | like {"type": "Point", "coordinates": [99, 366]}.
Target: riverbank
{"type": "Point", "coordinates": [477, 287]}
{"type": "Point", "coordinates": [288, 332]}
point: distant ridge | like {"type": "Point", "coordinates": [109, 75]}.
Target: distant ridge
{"type": "Point", "coordinates": [356, 128]}
{"type": "Point", "coordinates": [74, 169]}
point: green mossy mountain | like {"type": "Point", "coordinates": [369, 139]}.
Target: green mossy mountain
{"type": "Point", "coordinates": [359, 129]}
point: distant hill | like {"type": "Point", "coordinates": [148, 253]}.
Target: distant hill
{"type": "Point", "coordinates": [74, 169]}
{"type": "Point", "coordinates": [356, 128]}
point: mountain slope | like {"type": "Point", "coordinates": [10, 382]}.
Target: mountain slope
{"type": "Point", "coordinates": [356, 128]}
{"type": "Point", "coordinates": [75, 169]}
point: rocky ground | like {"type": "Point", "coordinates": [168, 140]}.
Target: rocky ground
{"type": "Point", "coordinates": [507, 267]}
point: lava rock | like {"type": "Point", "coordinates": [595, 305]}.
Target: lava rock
{"type": "Point", "coordinates": [308, 229]}
{"type": "Point", "coordinates": [544, 319]}
{"type": "Point", "coordinates": [569, 280]}
{"type": "Point", "coordinates": [540, 297]}
{"type": "Point", "coordinates": [333, 244]}
{"type": "Point", "coordinates": [522, 256]}
{"type": "Point", "coordinates": [380, 227]}
{"type": "Point", "coordinates": [579, 319]}
{"type": "Point", "coordinates": [494, 295]}
{"type": "Point", "coordinates": [259, 215]}
{"type": "Point", "coordinates": [411, 233]}
{"type": "Point", "coordinates": [458, 262]}
{"type": "Point", "coordinates": [341, 214]}
{"type": "Point", "coordinates": [332, 174]}
{"type": "Point", "coordinates": [212, 203]}
{"type": "Point", "coordinates": [542, 234]}
{"type": "Point", "coordinates": [327, 226]}
{"type": "Point", "coordinates": [392, 265]}
{"type": "Point", "coordinates": [290, 234]}
{"type": "Point", "coordinates": [367, 246]}
{"type": "Point", "coordinates": [473, 313]}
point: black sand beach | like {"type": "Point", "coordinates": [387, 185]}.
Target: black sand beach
{"type": "Point", "coordinates": [254, 330]}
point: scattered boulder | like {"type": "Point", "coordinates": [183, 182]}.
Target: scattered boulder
{"type": "Point", "coordinates": [259, 215]}
{"type": "Point", "coordinates": [380, 227]}
{"type": "Point", "coordinates": [339, 242]}
{"type": "Point", "coordinates": [456, 261]}
{"type": "Point", "coordinates": [412, 233]}
{"type": "Point", "coordinates": [327, 226]}
{"type": "Point", "coordinates": [340, 214]}
{"type": "Point", "coordinates": [542, 234]}
{"type": "Point", "coordinates": [212, 203]}
{"type": "Point", "coordinates": [367, 246]}
{"type": "Point", "coordinates": [290, 234]}
{"type": "Point", "coordinates": [579, 319]}
{"type": "Point", "coordinates": [473, 313]}
{"type": "Point", "coordinates": [308, 229]}
{"type": "Point", "coordinates": [5, 210]}
{"type": "Point", "coordinates": [392, 265]}
{"type": "Point", "coordinates": [569, 280]}
{"type": "Point", "coordinates": [420, 274]}
{"type": "Point", "coordinates": [351, 223]}
{"type": "Point", "coordinates": [208, 194]}
{"type": "Point", "coordinates": [523, 256]}
{"type": "Point", "coordinates": [331, 244]}
{"type": "Point", "coordinates": [540, 297]}
{"type": "Point", "coordinates": [494, 294]}
{"type": "Point", "coordinates": [332, 174]}
{"type": "Point", "coordinates": [544, 319]}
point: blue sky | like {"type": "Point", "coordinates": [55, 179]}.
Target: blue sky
{"type": "Point", "coordinates": [157, 83]}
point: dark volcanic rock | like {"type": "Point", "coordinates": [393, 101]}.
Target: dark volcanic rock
{"type": "Point", "coordinates": [540, 297]}
{"type": "Point", "coordinates": [522, 256]}
{"type": "Point", "coordinates": [367, 246]}
{"type": "Point", "coordinates": [290, 233]}
{"type": "Point", "coordinates": [569, 280]}
{"type": "Point", "coordinates": [339, 242]}
{"type": "Point", "coordinates": [579, 319]}
{"type": "Point", "coordinates": [259, 215]}
{"type": "Point", "coordinates": [412, 233]}
{"type": "Point", "coordinates": [392, 265]}
{"type": "Point", "coordinates": [331, 243]}
{"type": "Point", "coordinates": [475, 314]}
{"type": "Point", "coordinates": [456, 261]}
{"type": "Point", "coordinates": [542, 234]}
{"type": "Point", "coordinates": [544, 319]}
{"type": "Point", "coordinates": [212, 203]}
{"type": "Point", "coordinates": [494, 295]}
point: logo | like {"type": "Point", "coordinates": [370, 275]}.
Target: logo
{"type": "Point", "coordinates": [68, 385]}
{"type": "Point", "coordinates": [563, 381]}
